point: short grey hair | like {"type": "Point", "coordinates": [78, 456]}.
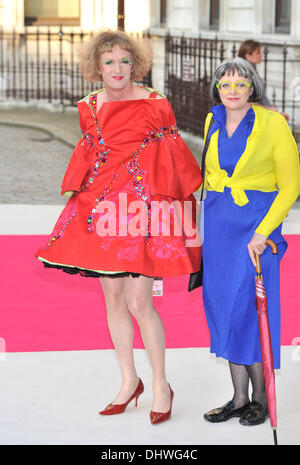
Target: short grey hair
{"type": "Point", "coordinates": [244, 69]}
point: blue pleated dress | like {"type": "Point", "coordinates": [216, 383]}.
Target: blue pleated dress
{"type": "Point", "coordinates": [229, 275]}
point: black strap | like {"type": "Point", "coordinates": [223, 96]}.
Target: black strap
{"type": "Point", "coordinates": [205, 148]}
{"type": "Point", "coordinates": [196, 279]}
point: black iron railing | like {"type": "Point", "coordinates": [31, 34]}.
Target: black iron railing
{"type": "Point", "coordinates": [190, 64]}
{"type": "Point", "coordinates": [41, 64]}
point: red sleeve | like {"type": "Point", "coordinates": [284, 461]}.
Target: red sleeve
{"type": "Point", "coordinates": [79, 163]}
{"type": "Point", "coordinates": [173, 169]}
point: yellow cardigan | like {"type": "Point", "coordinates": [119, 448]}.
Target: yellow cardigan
{"type": "Point", "coordinates": [269, 163]}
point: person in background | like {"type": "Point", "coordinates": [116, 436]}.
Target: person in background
{"type": "Point", "coordinates": [250, 50]}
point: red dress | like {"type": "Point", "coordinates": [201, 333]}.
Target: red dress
{"type": "Point", "coordinates": [130, 156]}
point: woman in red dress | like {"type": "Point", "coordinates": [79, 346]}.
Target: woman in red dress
{"type": "Point", "coordinates": [129, 161]}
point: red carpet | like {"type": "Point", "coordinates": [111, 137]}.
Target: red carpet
{"type": "Point", "coordinates": [44, 309]}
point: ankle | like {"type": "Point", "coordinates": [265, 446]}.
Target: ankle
{"type": "Point", "coordinates": [130, 381]}
{"type": "Point", "coordinates": [240, 401]}
{"type": "Point", "coordinates": [261, 398]}
{"type": "Point", "coordinates": [160, 384]}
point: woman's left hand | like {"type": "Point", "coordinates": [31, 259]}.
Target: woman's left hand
{"type": "Point", "coordinates": [256, 246]}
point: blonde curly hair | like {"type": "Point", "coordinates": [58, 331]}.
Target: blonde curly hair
{"type": "Point", "coordinates": [104, 41]}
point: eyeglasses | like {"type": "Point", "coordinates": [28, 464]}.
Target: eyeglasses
{"type": "Point", "coordinates": [240, 86]}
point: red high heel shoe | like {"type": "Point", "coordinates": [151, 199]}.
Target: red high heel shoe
{"type": "Point", "coordinates": [115, 409]}
{"type": "Point", "coordinates": [158, 417]}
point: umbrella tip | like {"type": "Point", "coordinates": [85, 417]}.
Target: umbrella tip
{"type": "Point", "coordinates": [275, 437]}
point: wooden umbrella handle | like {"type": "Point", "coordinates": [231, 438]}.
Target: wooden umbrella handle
{"type": "Point", "coordinates": [273, 246]}
{"type": "Point", "coordinates": [257, 257]}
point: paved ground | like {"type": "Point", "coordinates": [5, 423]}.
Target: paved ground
{"type": "Point", "coordinates": [36, 145]}
{"type": "Point", "coordinates": [35, 150]}
{"type": "Point", "coordinates": [63, 124]}
{"type": "Point", "coordinates": [32, 166]}
{"type": "Point", "coordinates": [60, 394]}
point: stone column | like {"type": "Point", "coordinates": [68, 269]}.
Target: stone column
{"type": "Point", "coordinates": [295, 15]}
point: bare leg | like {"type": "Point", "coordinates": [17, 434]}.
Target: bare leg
{"type": "Point", "coordinates": [138, 292]}
{"type": "Point", "coordinates": [121, 331]}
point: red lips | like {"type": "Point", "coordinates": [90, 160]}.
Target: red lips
{"type": "Point", "coordinates": [118, 78]}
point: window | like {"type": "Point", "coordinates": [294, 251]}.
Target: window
{"type": "Point", "coordinates": [163, 12]}
{"type": "Point", "coordinates": [214, 14]}
{"type": "Point", "coordinates": [283, 16]}
{"type": "Point", "coordinates": [54, 12]}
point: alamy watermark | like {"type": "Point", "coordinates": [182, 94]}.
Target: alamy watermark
{"type": "Point", "coordinates": [156, 218]}
{"type": "Point", "coordinates": [296, 350]}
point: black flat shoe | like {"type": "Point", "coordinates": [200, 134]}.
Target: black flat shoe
{"type": "Point", "coordinates": [225, 413]}
{"type": "Point", "coordinates": [256, 414]}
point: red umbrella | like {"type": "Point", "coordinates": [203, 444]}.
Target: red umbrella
{"type": "Point", "coordinates": [265, 341]}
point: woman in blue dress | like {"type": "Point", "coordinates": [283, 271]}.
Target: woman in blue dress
{"type": "Point", "coordinates": [252, 179]}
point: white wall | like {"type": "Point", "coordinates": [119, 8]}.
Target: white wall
{"type": "Point", "coordinates": [181, 13]}
{"type": "Point", "coordinates": [137, 15]}
{"type": "Point", "coordinates": [95, 14]}
{"type": "Point", "coordinates": [238, 18]}
{"type": "Point", "coordinates": [11, 13]}
{"type": "Point", "coordinates": [102, 14]}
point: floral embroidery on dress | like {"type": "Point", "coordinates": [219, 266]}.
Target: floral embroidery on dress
{"type": "Point", "coordinates": [96, 144]}
{"type": "Point", "coordinates": [128, 253]}
{"type": "Point", "coordinates": [136, 172]}
{"type": "Point", "coordinates": [168, 250]}
{"type": "Point", "coordinates": [102, 156]}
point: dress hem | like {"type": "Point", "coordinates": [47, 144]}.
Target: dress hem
{"type": "Point", "coordinates": [232, 360]}
{"type": "Point", "coordinates": [89, 273]}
